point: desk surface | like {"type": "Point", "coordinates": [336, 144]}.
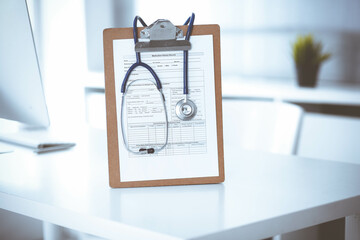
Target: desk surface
{"type": "Point", "coordinates": [286, 90]}
{"type": "Point", "coordinates": [263, 195]}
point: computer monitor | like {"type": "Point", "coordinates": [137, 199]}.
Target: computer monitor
{"type": "Point", "coordinates": [21, 90]}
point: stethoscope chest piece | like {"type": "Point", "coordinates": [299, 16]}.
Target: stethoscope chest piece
{"type": "Point", "coordinates": [185, 109]}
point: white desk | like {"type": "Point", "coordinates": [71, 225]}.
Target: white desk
{"type": "Point", "coordinates": [263, 88]}
{"type": "Point", "coordinates": [288, 91]}
{"type": "Point", "coordinates": [263, 195]}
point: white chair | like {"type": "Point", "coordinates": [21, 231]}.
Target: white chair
{"type": "Point", "coordinates": [262, 125]}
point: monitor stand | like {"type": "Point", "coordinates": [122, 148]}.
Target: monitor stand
{"type": "Point", "coordinates": [40, 140]}
{"type": "Point", "coordinates": [5, 149]}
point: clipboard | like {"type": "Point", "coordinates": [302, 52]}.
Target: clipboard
{"type": "Point", "coordinates": [113, 138]}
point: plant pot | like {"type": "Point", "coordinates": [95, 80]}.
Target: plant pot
{"type": "Point", "coordinates": [307, 74]}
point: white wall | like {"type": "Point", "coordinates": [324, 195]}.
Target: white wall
{"type": "Point", "coordinates": [257, 35]}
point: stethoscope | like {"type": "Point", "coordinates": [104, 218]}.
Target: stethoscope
{"type": "Point", "coordinates": [185, 109]}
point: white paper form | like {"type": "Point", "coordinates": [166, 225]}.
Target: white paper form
{"type": "Point", "coordinates": [192, 145]}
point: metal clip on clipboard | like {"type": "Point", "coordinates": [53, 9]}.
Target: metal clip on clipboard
{"type": "Point", "coordinates": [162, 35]}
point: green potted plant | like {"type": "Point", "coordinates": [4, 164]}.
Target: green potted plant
{"type": "Point", "coordinates": [308, 56]}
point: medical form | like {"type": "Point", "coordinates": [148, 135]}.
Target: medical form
{"type": "Point", "coordinates": [192, 145]}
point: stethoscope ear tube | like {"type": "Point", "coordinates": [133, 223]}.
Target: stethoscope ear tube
{"type": "Point", "coordinates": [141, 64]}
{"type": "Point", "coordinates": [144, 150]}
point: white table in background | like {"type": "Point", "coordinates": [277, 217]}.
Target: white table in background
{"type": "Point", "coordinates": [263, 195]}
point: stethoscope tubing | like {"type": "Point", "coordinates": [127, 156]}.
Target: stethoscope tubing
{"type": "Point", "coordinates": [189, 21]}
{"type": "Point", "coordinates": [157, 83]}
{"type": "Point", "coordinates": [124, 137]}
{"type": "Point", "coordinates": [138, 60]}
{"type": "Point", "coordinates": [135, 65]}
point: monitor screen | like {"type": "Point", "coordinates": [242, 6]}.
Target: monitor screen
{"type": "Point", "coordinates": [21, 91]}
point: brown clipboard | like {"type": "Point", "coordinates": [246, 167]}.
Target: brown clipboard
{"type": "Point", "coordinates": [111, 115]}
